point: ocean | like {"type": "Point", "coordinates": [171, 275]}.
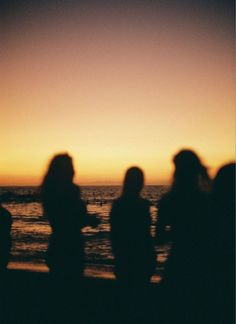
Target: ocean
{"type": "Point", "coordinates": [30, 230]}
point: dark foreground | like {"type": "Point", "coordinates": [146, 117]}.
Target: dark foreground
{"type": "Point", "coordinates": [31, 297]}
{"type": "Point", "coordinates": [34, 297]}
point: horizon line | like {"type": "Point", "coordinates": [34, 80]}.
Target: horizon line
{"type": "Point", "coordinates": [85, 185]}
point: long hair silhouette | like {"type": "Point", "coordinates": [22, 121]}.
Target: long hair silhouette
{"type": "Point", "coordinates": [183, 219]}
{"type": "Point", "coordinates": [189, 171]}
{"type": "Point", "coordinates": [222, 273]}
{"type": "Point", "coordinates": [133, 182]}
{"type": "Point", "coordinates": [67, 214]}
{"type": "Point", "coordinates": [130, 232]}
{"type": "Point", "coordinates": [224, 183]}
{"type": "Point", "coordinates": [60, 173]}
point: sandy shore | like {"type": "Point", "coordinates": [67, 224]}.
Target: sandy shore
{"type": "Point", "coordinates": [34, 297]}
{"type": "Point", "coordinates": [37, 298]}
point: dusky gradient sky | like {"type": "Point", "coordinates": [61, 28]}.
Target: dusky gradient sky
{"type": "Point", "coordinates": [115, 84]}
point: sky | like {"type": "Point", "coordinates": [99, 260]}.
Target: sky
{"type": "Point", "coordinates": [115, 85]}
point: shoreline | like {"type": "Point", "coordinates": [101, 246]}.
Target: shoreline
{"type": "Point", "coordinates": [91, 271]}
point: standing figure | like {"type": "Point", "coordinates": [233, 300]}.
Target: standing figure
{"type": "Point", "coordinates": [5, 237]}
{"type": "Point", "coordinates": [223, 244]}
{"type": "Point", "coordinates": [131, 240]}
{"type": "Point", "coordinates": [67, 215]}
{"type": "Point", "coordinates": [183, 219]}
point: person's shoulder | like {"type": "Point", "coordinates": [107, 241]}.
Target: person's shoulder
{"type": "Point", "coordinates": [75, 190]}
{"type": "Point", "coordinates": [117, 202]}
{"type": "Point", "coordinates": [116, 209]}
{"type": "Point", "coordinates": [5, 214]}
{"type": "Point", "coordinates": [75, 187]}
{"type": "Point", "coordinates": [145, 202]}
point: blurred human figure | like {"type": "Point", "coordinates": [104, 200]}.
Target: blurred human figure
{"type": "Point", "coordinates": [131, 240]}
{"type": "Point", "coordinates": [223, 243]}
{"type": "Point", "coordinates": [183, 220]}
{"type": "Point", "coordinates": [5, 237]}
{"type": "Point", "coordinates": [67, 215]}
{"type": "Point", "coordinates": [132, 246]}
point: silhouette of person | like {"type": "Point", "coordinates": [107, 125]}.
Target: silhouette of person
{"type": "Point", "coordinates": [133, 248]}
{"type": "Point", "coordinates": [183, 219]}
{"type": "Point", "coordinates": [5, 237]}
{"type": "Point", "coordinates": [131, 240]}
{"type": "Point", "coordinates": [223, 243]}
{"type": "Point", "coordinates": [67, 215]}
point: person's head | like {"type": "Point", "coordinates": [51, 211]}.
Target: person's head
{"type": "Point", "coordinates": [224, 183]}
{"type": "Point", "coordinates": [133, 182]}
{"type": "Point", "coordinates": [60, 171]}
{"type": "Point", "coordinates": [189, 170]}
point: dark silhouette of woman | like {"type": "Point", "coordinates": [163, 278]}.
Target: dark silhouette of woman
{"type": "Point", "coordinates": [223, 243]}
{"type": "Point", "coordinates": [183, 220]}
{"type": "Point", "coordinates": [131, 240]}
{"type": "Point", "coordinates": [5, 237]}
{"type": "Point", "coordinates": [67, 215]}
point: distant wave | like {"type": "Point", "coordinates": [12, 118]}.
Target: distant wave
{"type": "Point", "coordinates": [9, 196]}
{"type": "Point", "coordinates": [95, 195]}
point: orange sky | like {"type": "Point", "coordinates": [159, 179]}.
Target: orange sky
{"type": "Point", "coordinates": [114, 91]}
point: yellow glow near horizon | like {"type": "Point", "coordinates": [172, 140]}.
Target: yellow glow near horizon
{"type": "Point", "coordinates": [114, 93]}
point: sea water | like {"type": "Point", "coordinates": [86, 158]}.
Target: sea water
{"type": "Point", "coordinates": [31, 231]}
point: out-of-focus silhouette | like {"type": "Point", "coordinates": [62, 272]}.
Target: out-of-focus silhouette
{"type": "Point", "coordinates": [133, 248]}
{"type": "Point", "coordinates": [223, 243]}
{"type": "Point", "coordinates": [131, 240]}
{"type": "Point", "coordinates": [67, 215]}
{"type": "Point", "coordinates": [5, 237]}
{"type": "Point", "coordinates": [183, 220]}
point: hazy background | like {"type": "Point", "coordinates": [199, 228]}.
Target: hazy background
{"type": "Point", "coordinates": [115, 84]}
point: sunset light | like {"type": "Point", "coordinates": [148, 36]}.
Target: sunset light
{"type": "Point", "coordinates": [115, 88]}
{"type": "Point", "coordinates": [117, 164]}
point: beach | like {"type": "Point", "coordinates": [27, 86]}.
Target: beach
{"type": "Point", "coordinates": [31, 230]}
{"type": "Point", "coordinates": [35, 297]}
{"type": "Point", "coordinates": [30, 295]}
